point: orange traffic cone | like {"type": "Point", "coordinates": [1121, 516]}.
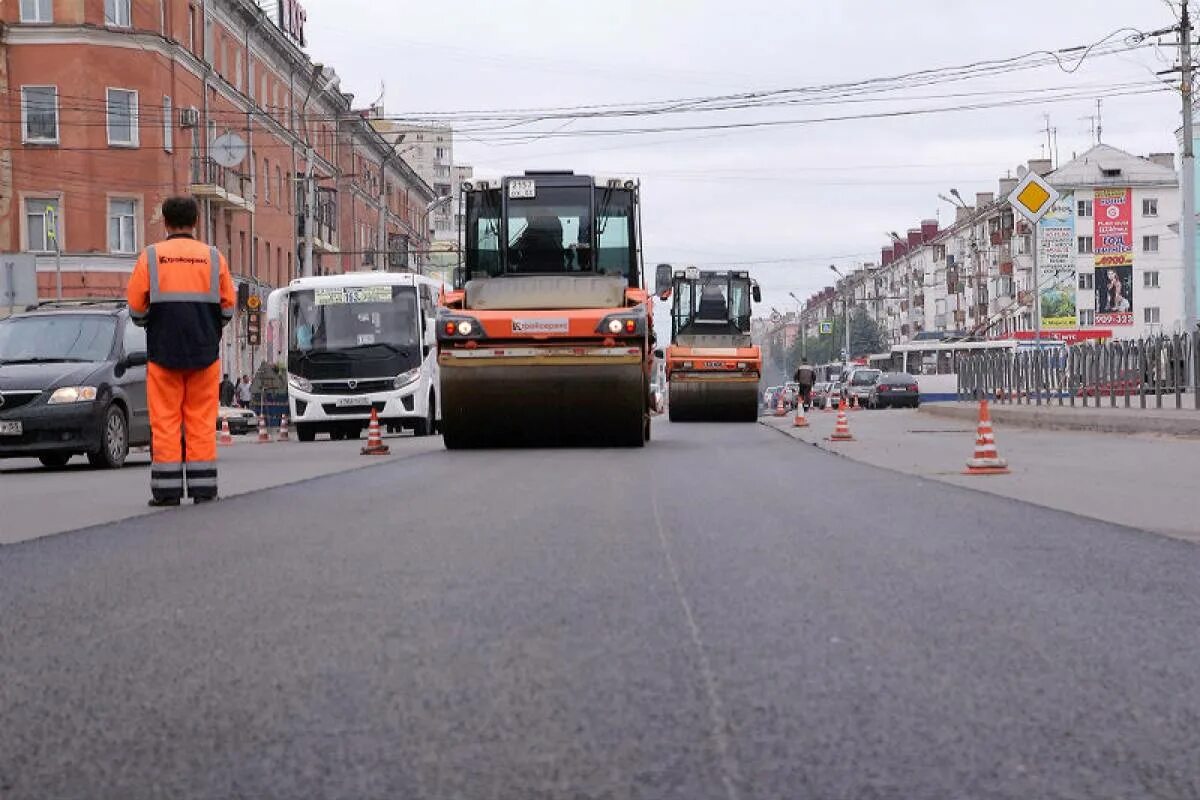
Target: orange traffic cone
{"type": "Point", "coordinates": [854, 406]}
{"type": "Point", "coordinates": [800, 421]}
{"type": "Point", "coordinates": [375, 445]}
{"type": "Point", "coordinates": [283, 428]}
{"type": "Point", "coordinates": [987, 460]}
{"type": "Point", "coordinates": [226, 438]}
{"type": "Point", "coordinates": [841, 431]}
{"type": "Point", "coordinates": [264, 436]}
{"type": "Point", "coordinates": [780, 409]}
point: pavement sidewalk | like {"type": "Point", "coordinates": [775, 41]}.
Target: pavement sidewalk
{"type": "Point", "coordinates": [1169, 420]}
{"type": "Point", "coordinates": [37, 502]}
{"type": "Point", "coordinates": [1143, 481]}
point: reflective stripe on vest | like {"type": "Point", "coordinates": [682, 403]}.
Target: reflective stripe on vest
{"type": "Point", "coordinates": [213, 295]}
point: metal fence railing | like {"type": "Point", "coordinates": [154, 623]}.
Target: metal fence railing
{"type": "Point", "coordinates": [1126, 372]}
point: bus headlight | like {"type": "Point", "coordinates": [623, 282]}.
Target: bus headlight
{"type": "Point", "coordinates": [405, 378]}
{"type": "Point", "coordinates": [299, 382]}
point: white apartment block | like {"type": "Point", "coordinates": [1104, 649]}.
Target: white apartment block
{"type": "Point", "coordinates": [975, 276]}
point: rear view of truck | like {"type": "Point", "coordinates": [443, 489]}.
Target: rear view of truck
{"type": "Point", "coordinates": [713, 368]}
{"type": "Point", "coordinates": [547, 336]}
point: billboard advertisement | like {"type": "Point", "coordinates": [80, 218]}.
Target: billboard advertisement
{"type": "Point", "coordinates": [1057, 283]}
{"type": "Point", "coordinates": [1113, 248]}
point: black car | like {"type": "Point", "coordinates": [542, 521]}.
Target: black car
{"type": "Point", "coordinates": [894, 389]}
{"type": "Point", "coordinates": [73, 382]}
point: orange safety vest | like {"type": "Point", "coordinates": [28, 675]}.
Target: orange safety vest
{"type": "Point", "coordinates": [183, 294]}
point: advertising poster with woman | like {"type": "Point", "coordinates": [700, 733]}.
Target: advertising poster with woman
{"type": "Point", "coordinates": [1113, 248]}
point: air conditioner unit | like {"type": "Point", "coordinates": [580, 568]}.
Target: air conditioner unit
{"type": "Point", "coordinates": [189, 117]}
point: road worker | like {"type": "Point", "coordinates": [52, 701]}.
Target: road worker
{"type": "Point", "coordinates": [182, 293]}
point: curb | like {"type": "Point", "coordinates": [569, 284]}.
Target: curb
{"type": "Point", "coordinates": [1093, 420]}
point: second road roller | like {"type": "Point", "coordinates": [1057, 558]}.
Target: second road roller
{"type": "Point", "coordinates": [547, 335]}
{"type": "Point", "coordinates": [713, 367]}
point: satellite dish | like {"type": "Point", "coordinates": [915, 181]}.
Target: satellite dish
{"type": "Point", "coordinates": [228, 150]}
{"type": "Point", "coordinates": [1021, 170]}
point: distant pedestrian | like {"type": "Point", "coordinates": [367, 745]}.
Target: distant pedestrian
{"type": "Point", "coordinates": [244, 394]}
{"type": "Point", "coordinates": [227, 391]}
{"type": "Point", "coordinates": [805, 376]}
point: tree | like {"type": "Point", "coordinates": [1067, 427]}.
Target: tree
{"type": "Point", "coordinates": [866, 337]}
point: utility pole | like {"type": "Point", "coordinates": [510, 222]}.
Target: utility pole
{"type": "Point", "coordinates": [310, 210]}
{"type": "Point", "coordinates": [1187, 226]}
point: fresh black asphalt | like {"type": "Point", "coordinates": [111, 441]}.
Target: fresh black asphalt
{"type": "Point", "coordinates": [725, 614]}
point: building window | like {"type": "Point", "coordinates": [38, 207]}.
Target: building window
{"type": "Point", "coordinates": [439, 153]}
{"type": "Point", "coordinates": [1085, 208]}
{"type": "Point", "coordinates": [117, 13]}
{"type": "Point", "coordinates": [1151, 315]}
{"type": "Point", "coordinates": [266, 181]}
{"type": "Point", "coordinates": [168, 125]}
{"type": "Point", "coordinates": [1087, 316]}
{"type": "Point", "coordinates": [122, 117]}
{"type": "Point", "coordinates": [122, 226]}
{"type": "Point", "coordinates": [1087, 280]}
{"type": "Point", "coordinates": [1150, 279]}
{"type": "Point", "coordinates": [191, 22]}
{"type": "Point", "coordinates": [39, 114]}
{"type": "Point", "coordinates": [237, 70]}
{"type": "Point", "coordinates": [279, 183]}
{"type": "Point", "coordinates": [441, 171]}
{"type": "Point", "coordinates": [1149, 244]}
{"type": "Point", "coordinates": [1150, 207]}
{"type": "Point", "coordinates": [37, 11]}
{"type": "Point", "coordinates": [1085, 245]}
{"type": "Point", "coordinates": [42, 220]}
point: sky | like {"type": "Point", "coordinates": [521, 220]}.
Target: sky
{"type": "Point", "coordinates": [786, 200]}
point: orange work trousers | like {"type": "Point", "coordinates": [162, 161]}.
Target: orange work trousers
{"type": "Point", "coordinates": [183, 422]}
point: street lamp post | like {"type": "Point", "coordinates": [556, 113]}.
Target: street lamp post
{"type": "Point", "coordinates": [803, 326]}
{"type": "Point", "coordinates": [845, 310]}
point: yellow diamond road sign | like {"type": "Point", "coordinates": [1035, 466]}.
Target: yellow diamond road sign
{"type": "Point", "coordinates": [1033, 197]}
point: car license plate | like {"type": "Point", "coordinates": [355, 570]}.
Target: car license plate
{"type": "Point", "coordinates": [351, 402]}
{"type": "Point", "coordinates": [10, 428]}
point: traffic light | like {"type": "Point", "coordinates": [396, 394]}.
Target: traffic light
{"type": "Point", "coordinates": [253, 327]}
{"type": "Point", "coordinates": [243, 290]}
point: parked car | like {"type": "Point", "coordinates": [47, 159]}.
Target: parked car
{"type": "Point", "coordinates": [771, 397]}
{"type": "Point", "coordinates": [73, 382]}
{"type": "Point", "coordinates": [241, 420]}
{"type": "Point", "coordinates": [897, 389]}
{"type": "Point", "coordinates": [822, 391]}
{"type": "Point", "coordinates": [858, 385]}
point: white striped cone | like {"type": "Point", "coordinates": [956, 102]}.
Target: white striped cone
{"type": "Point", "coordinates": [264, 436]}
{"type": "Point", "coordinates": [800, 421]}
{"type": "Point", "coordinates": [283, 428]}
{"type": "Point", "coordinates": [226, 437]}
{"type": "Point", "coordinates": [375, 445]}
{"type": "Point", "coordinates": [841, 431]}
{"type": "Point", "coordinates": [987, 460]}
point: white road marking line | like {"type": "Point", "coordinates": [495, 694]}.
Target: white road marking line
{"type": "Point", "coordinates": [730, 775]}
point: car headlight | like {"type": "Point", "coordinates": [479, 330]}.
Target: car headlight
{"type": "Point", "coordinates": [405, 378]}
{"type": "Point", "coordinates": [299, 382]}
{"type": "Point", "coordinates": [73, 394]}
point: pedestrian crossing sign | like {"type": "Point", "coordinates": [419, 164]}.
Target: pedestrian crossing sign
{"type": "Point", "coordinates": [826, 328]}
{"type": "Point", "coordinates": [1033, 197]}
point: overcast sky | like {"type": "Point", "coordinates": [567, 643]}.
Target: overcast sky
{"type": "Point", "coordinates": [803, 195]}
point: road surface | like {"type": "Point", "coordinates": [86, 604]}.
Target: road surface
{"type": "Point", "coordinates": [728, 613]}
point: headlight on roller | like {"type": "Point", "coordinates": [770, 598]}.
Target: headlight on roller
{"type": "Point", "coordinates": [73, 394]}
{"type": "Point", "coordinates": [298, 382]}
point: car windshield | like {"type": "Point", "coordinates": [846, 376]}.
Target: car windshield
{"type": "Point", "coordinates": [864, 377]}
{"type": "Point", "coordinates": [56, 338]}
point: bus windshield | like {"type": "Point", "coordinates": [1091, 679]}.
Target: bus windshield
{"type": "Point", "coordinates": [346, 318]}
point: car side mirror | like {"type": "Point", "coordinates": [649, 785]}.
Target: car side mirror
{"type": "Point", "coordinates": [138, 358]}
{"type": "Point", "coordinates": [659, 354]}
{"type": "Point", "coordinates": [756, 293]}
{"type": "Point", "coordinates": [662, 281]}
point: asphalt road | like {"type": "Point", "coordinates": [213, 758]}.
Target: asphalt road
{"type": "Point", "coordinates": [728, 613]}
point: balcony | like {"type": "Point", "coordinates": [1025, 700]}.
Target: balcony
{"type": "Point", "coordinates": [325, 226]}
{"type": "Point", "coordinates": [222, 186]}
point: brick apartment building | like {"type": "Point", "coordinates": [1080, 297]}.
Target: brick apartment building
{"type": "Point", "coordinates": [113, 105]}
